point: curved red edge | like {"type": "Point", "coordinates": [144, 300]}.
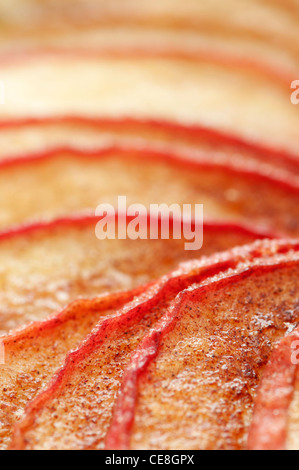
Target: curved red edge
{"type": "Point", "coordinates": [139, 306]}
{"type": "Point", "coordinates": [283, 78]}
{"type": "Point", "coordinates": [264, 173]}
{"type": "Point", "coordinates": [119, 433]}
{"type": "Point", "coordinates": [83, 219]}
{"type": "Point", "coordinates": [268, 430]}
{"type": "Point", "coordinates": [187, 274]}
{"type": "Point", "coordinates": [188, 131]}
{"type": "Point", "coordinates": [59, 317]}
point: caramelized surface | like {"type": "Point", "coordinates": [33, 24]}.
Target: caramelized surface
{"type": "Point", "coordinates": [70, 182]}
{"type": "Point", "coordinates": [216, 93]}
{"type": "Point", "coordinates": [44, 269]}
{"type": "Point", "coordinates": [274, 424]}
{"type": "Point", "coordinates": [198, 392]}
{"type": "Point", "coordinates": [75, 411]}
{"type": "Point", "coordinates": [35, 354]}
{"type": "Point", "coordinates": [163, 102]}
{"type": "Point", "coordinates": [18, 139]}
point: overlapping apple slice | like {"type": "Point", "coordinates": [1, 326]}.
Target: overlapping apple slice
{"type": "Point", "coordinates": [20, 138]}
{"type": "Point", "coordinates": [191, 382]}
{"type": "Point", "coordinates": [191, 27]}
{"type": "Point", "coordinates": [66, 182]}
{"type": "Point", "coordinates": [74, 412]}
{"type": "Point", "coordinates": [272, 59]}
{"type": "Point", "coordinates": [211, 91]}
{"type": "Point", "coordinates": [275, 420]}
{"type": "Point", "coordinates": [45, 266]}
{"type": "Point", "coordinates": [190, 15]}
{"type": "Point", "coordinates": [33, 354]}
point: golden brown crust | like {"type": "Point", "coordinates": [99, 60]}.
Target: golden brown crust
{"type": "Point", "coordinates": [72, 181]}
{"type": "Point", "coordinates": [52, 264]}
{"type": "Point", "coordinates": [198, 393]}
{"type": "Point", "coordinates": [81, 404]}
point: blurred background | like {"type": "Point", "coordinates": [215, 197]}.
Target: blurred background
{"type": "Point", "coordinates": [221, 64]}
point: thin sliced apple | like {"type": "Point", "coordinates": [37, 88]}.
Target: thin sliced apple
{"type": "Point", "coordinates": [189, 14]}
{"type": "Point", "coordinates": [275, 420]}
{"type": "Point", "coordinates": [20, 138]}
{"type": "Point", "coordinates": [269, 58]}
{"type": "Point", "coordinates": [213, 92]}
{"type": "Point", "coordinates": [29, 354]}
{"type": "Point", "coordinates": [59, 24]}
{"type": "Point", "coordinates": [45, 266]}
{"type": "Point", "coordinates": [67, 182]}
{"type": "Point", "coordinates": [34, 354]}
{"type": "Point", "coordinates": [191, 382]}
{"type": "Point", "coordinates": [74, 412]}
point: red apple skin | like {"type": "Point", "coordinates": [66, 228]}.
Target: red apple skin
{"type": "Point", "coordinates": [68, 328]}
{"type": "Point", "coordinates": [267, 196]}
{"type": "Point", "coordinates": [57, 251]}
{"type": "Point", "coordinates": [269, 427]}
{"type": "Point", "coordinates": [120, 431]}
{"type": "Point", "coordinates": [127, 330]}
{"type": "Point", "coordinates": [170, 134]}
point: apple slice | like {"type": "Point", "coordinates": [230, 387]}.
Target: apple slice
{"type": "Point", "coordinates": [268, 57]}
{"type": "Point", "coordinates": [67, 182]}
{"type": "Point", "coordinates": [213, 92]}
{"type": "Point", "coordinates": [190, 14]}
{"type": "Point", "coordinates": [45, 266]}
{"type": "Point", "coordinates": [29, 353]}
{"type": "Point", "coordinates": [34, 354]}
{"type": "Point", "coordinates": [275, 420]}
{"type": "Point", "coordinates": [74, 412]}
{"type": "Point", "coordinates": [20, 138]}
{"type": "Point", "coordinates": [188, 26]}
{"type": "Point", "coordinates": [191, 382]}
